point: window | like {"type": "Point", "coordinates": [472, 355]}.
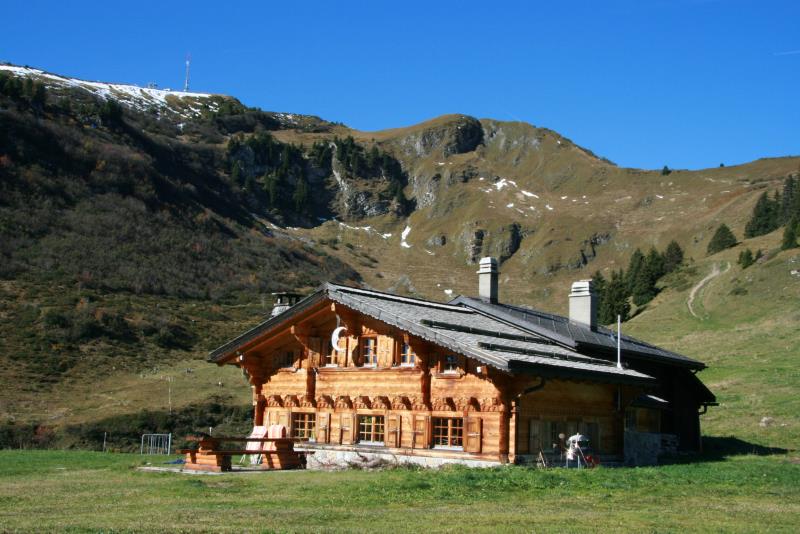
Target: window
{"type": "Point", "coordinates": [407, 356]}
{"type": "Point", "coordinates": [450, 364]}
{"type": "Point", "coordinates": [370, 429]}
{"type": "Point", "coordinates": [303, 425]}
{"type": "Point", "coordinates": [448, 432]}
{"type": "Point", "coordinates": [369, 351]}
{"type": "Point", "coordinates": [285, 358]}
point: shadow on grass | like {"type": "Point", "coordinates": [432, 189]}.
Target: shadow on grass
{"type": "Point", "coordinates": [720, 448]}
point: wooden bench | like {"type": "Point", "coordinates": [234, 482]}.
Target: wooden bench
{"type": "Point", "coordinates": [210, 457]}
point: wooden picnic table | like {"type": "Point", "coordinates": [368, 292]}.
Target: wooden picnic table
{"type": "Point", "coordinates": [210, 457]}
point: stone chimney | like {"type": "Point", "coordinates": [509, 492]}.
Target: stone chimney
{"type": "Point", "coordinates": [583, 304]}
{"type": "Point", "coordinates": [487, 280]}
{"type": "Point", "coordinates": [283, 301]}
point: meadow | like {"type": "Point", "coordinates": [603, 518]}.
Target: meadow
{"type": "Point", "coordinates": [103, 492]}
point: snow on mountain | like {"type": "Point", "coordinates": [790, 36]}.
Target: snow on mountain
{"type": "Point", "coordinates": [139, 98]}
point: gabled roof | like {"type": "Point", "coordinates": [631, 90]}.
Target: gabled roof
{"type": "Point", "coordinates": [576, 336]}
{"type": "Point", "coordinates": [459, 328]}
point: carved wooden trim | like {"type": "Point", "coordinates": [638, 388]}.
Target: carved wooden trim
{"type": "Point", "coordinates": [325, 401]}
{"type": "Point", "coordinates": [443, 404]}
{"type": "Point", "coordinates": [493, 404]}
{"type": "Point", "coordinates": [381, 402]}
{"type": "Point", "coordinates": [401, 403]}
{"type": "Point", "coordinates": [363, 402]}
{"type": "Point", "coordinates": [274, 401]}
{"type": "Point", "coordinates": [344, 402]}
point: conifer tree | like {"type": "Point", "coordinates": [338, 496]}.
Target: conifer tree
{"type": "Point", "coordinates": [765, 217]}
{"type": "Point", "coordinates": [790, 203]}
{"type": "Point", "coordinates": [300, 196]}
{"type": "Point", "coordinates": [635, 265]}
{"type": "Point", "coordinates": [673, 257]}
{"type": "Point", "coordinates": [615, 300]}
{"type": "Point", "coordinates": [723, 238]}
{"type": "Point", "coordinates": [271, 182]}
{"type": "Point", "coordinates": [790, 234]}
{"type": "Point", "coordinates": [746, 258]}
{"type": "Point", "coordinates": [643, 288]}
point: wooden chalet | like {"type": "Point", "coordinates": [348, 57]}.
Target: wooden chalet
{"type": "Point", "coordinates": [364, 374]}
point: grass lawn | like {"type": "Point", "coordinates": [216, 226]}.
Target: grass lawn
{"type": "Point", "coordinates": [85, 491]}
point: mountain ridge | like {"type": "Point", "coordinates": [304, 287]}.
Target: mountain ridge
{"type": "Point", "coordinates": [141, 238]}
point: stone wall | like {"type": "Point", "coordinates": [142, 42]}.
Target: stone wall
{"type": "Point", "coordinates": [362, 457]}
{"type": "Point", "coordinates": [645, 448]}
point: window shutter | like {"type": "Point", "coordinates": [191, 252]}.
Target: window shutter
{"type": "Point", "coordinates": [384, 347]}
{"type": "Point", "coordinates": [392, 437]}
{"type": "Point", "coordinates": [421, 436]}
{"type": "Point", "coordinates": [474, 434]}
{"type": "Point", "coordinates": [346, 430]}
{"type": "Point", "coordinates": [323, 427]}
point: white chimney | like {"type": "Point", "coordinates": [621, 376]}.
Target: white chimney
{"type": "Point", "coordinates": [283, 301]}
{"type": "Point", "coordinates": [487, 280]}
{"type": "Point", "coordinates": [583, 304]}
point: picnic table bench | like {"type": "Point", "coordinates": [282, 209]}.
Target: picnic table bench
{"type": "Point", "coordinates": [210, 456]}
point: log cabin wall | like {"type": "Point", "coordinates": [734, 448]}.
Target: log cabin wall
{"type": "Point", "coordinates": [414, 400]}
{"type": "Point", "coordinates": [560, 406]}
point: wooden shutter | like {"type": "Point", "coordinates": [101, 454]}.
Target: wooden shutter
{"type": "Point", "coordinates": [392, 436]}
{"type": "Point", "coordinates": [346, 428]}
{"type": "Point", "coordinates": [385, 350]}
{"type": "Point", "coordinates": [474, 428]}
{"type": "Point", "coordinates": [421, 435]}
{"type": "Point", "coordinates": [323, 431]}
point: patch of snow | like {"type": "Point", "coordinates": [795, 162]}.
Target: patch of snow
{"type": "Point", "coordinates": [564, 197]}
{"type": "Point", "coordinates": [549, 207]}
{"type": "Point", "coordinates": [440, 163]}
{"type": "Point", "coordinates": [511, 205]}
{"type": "Point", "coordinates": [529, 194]}
{"type": "Point", "coordinates": [367, 229]}
{"type": "Point", "coordinates": [139, 98]}
{"type": "Point", "coordinates": [623, 198]}
{"type": "Point", "coordinates": [659, 196]}
{"type": "Point", "coordinates": [403, 236]}
{"type": "Point", "coordinates": [501, 184]}
{"type": "Point", "coordinates": [448, 292]}
{"type": "Point", "coordinates": [480, 179]}
{"type": "Point", "coordinates": [429, 252]}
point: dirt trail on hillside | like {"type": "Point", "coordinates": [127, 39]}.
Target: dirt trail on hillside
{"type": "Point", "coordinates": [713, 274]}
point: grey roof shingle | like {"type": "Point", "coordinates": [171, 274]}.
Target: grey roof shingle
{"type": "Point", "coordinates": [458, 328]}
{"type": "Point", "coordinates": [576, 336]}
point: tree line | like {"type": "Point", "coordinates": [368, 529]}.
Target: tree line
{"type": "Point", "coordinates": [769, 214]}
{"type": "Point", "coordinates": [638, 284]}
{"type": "Point", "coordinates": [260, 164]}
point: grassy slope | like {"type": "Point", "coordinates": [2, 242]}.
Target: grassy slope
{"type": "Point", "coordinates": [92, 492]}
{"type": "Point", "coordinates": [750, 341]}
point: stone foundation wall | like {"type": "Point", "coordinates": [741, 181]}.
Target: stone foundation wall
{"type": "Point", "coordinates": [327, 458]}
{"type": "Point", "coordinates": [645, 448]}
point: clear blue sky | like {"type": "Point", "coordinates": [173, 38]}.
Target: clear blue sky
{"type": "Point", "coordinates": [687, 83]}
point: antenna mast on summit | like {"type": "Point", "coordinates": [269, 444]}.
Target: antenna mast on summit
{"type": "Point", "coordinates": [186, 83]}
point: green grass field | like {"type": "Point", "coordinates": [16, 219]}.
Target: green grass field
{"type": "Point", "coordinates": [84, 491]}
